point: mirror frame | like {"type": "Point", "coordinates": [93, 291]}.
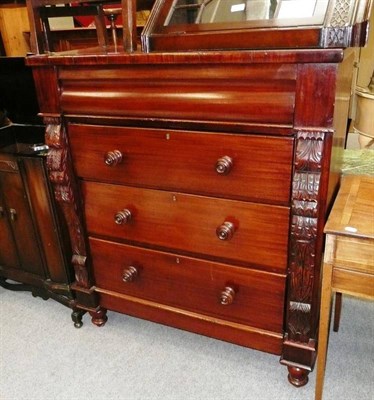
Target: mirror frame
{"type": "Point", "coordinates": [344, 24]}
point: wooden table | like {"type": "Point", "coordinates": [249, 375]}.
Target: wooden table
{"type": "Point", "coordinates": [348, 265]}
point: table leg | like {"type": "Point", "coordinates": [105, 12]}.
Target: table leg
{"type": "Point", "coordinates": [323, 327]}
{"type": "Point", "coordinates": [338, 311]}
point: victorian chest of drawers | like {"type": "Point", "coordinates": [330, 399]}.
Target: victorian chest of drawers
{"type": "Point", "coordinates": [195, 172]}
{"type": "Point", "coordinates": [195, 187]}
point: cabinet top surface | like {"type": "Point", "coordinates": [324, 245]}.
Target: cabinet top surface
{"type": "Point", "coordinates": [353, 210]}
{"type": "Point", "coordinates": [96, 56]}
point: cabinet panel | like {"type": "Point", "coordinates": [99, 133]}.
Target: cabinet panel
{"type": "Point", "coordinates": [18, 213]}
{"type": "Point", "coordinates": [47, 222]}
{"type": "Point", "coordinates": [8, 251]}
{"type": "Point", "coordinates": [190, 223]}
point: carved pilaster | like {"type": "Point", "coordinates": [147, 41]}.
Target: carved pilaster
{"type": "Point", "coordinates": [62, 178]}
{"type": "Point", "coordinates": [303, 235]}
{"type": "Point", "coordinates": [299, 344]}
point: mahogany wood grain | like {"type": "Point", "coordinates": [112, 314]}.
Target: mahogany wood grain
{"type": "Point", "coordinates": [96, 56]}
{"type": "Point", "coordinates": [240, 334]}
{"type": "Point", "coordinates": [47, 89]}
{"type": "Point", "coordinates": [187, 92]}
{"type": "Point", "coordinates": [181, 222]}
{"type": "Point", "coordinates": [315, 95]}
{"type": "Point", "coordinates": [249, 68]}
{"type": "Point", "coordinates": [186, 161]}
{"type": "Point", "coordinates": [191, 284]}
{"type": "Point", "coordinates": [242, 39]}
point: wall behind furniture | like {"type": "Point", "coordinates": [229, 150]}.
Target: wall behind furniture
{"type": "Point", "coordinates": [13, 23]}
{"type": "Point", "coordinates": [15, 28]}
{"type": "Point", "coordinates": [366, 62]}
{"type": "Point", "coordinates": [362, 74]}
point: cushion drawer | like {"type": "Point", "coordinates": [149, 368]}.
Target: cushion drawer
{"type": "Point", "coordinates": [189, 223]}
{"type": "Point", "coordinates": [229, 93]}
{"type": "Point", "coordinates": [186, 161]}
{"type": "Point", "coordinates": [191, 284]}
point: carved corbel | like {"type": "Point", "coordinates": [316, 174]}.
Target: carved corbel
{"type": "Point", "coordinates": [66, 194]}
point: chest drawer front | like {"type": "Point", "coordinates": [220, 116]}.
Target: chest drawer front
{"type": "Point", "coordinates": [228, 229]}
{"type": "Point", "coordinates": [257, 298]}
{"type": "Point", "coordinates": [235, 166]}
{"type": "Point", "coordinates": [237, 93]}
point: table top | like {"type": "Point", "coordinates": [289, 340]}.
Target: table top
{"type": "Point", "coordinates": [353, 211]}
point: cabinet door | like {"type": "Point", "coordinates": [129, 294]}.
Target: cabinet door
{"type": "Point", "coordinates": [19, 218]}
{"type": "Point", "coordinates": [54, 243]}
{"type": "Point", "coordinates": [8, 252]}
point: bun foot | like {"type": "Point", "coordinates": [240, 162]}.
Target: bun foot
{"type": "Point", "coordinates": [298, 376]}
{"type": "Point", "coordinates": [77, 316]}
{"type": "Point", "coordinates": [99, 317]}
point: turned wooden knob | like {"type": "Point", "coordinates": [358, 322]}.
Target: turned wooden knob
{"type": "Point", "coordinates": [112, 158]}
{"type": "Point", "coordinates": [123, 217]}
{"type": "Point", "coordinates": [225, 231]}
{"type": "Point", "coordinates": [227, 296]}
{"type": "Point", "coordinates": [129, 274]}
{"type": "Point", "coordinates": [224, 165]}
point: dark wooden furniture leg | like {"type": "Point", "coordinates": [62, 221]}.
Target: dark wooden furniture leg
{"type": "Point", "coordinates": [99, 317]}
{"type": "Point", "coordinates": [338, 310]}
{"type": "Point", "coordinates": [77, 316]}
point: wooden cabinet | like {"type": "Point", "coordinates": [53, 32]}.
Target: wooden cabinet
{"type": "Point", "coordinates": [34, 248]}
{"type": "Point", "coordinates": [186, 210]}
{"type": "Point", "coordinates": [196, 184]}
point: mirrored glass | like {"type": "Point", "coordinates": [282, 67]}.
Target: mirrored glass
{"type": "Point", "coordinates": [231, 11]}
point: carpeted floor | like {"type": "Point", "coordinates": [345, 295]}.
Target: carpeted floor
{"type": "Point", "coordinates": [43, 357]}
